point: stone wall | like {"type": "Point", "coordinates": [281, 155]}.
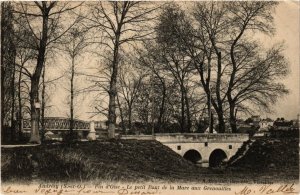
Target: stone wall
{"type": "Point", "coordinates": [201, 137]}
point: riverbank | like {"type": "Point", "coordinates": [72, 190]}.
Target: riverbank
{"type": "Point", "coordinates": [132, 161]}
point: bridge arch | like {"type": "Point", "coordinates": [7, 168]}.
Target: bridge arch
{"type": "Point", "coordinates": [216, 157]}
{"type": "Point", "coordinates": [193, 155]}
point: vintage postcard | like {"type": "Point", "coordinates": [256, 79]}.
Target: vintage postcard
{"type": "Point", "coordinates": [150, 97]}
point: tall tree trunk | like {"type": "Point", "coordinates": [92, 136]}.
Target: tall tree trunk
{"type": "Point", "coordinates": [218, 94]}
{"type": "Point", "coordinates": [182, 124]}
{"type": "Point", "coordinates": [113, 89]}
{"type": "Point", "coordinates": [221, 122]}
{"type": "Point", "coordinates": [147, 117]}
{"type": "Point", "coordinates": [43, 106]}
{"type": "Point", "coordinates": [20, 115]}
{"type": "Point", "coordinates": [232, 117]}
{"type": "Point", "coordinates": [8, 55]}
{"type": "Point", "coordinates": [34, 93]}
{"type": "Point", "coordinates": [209, 99]}
{"type": "Point", "coordinates": [188, 114]}
{"type": "Point", "coordinates": [2, 86]}
{"type": "Point", "coordinates": [162, 108]}
{"type": "Point", "coordinates": [206, 86]}
{"type": "Point", "coordinates": [35, 79]}
{"type": "Point", "coordinates": [210, 116]}
{"type": "Point", "coordinates": [12, 88]}
{"type": "Point", "coordinates": [121, 115]}
{"type": "Point", "coordinates": [130, 116]}
{"type": "Point", "coordinates": [209, 96]}
{"type": "Point", "coordinates": [72, 99]}
{"type": "Point", "coordinates": [152, 114]}
{"type": "Point", "coordinates": [231, 81]}
{"type": "Point", "coordinates": [3, 71]}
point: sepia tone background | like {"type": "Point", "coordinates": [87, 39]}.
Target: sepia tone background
{"type": "Point", "coordinates": [287, 31]}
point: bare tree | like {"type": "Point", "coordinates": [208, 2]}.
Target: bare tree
{"type": "Point", "coordinates": [252, 16]}
{"type": "Point", "coordinates": [121, 23]}
{"type": "Point", "coordinates": [222, 29]}
{"type": "Point", "coordinates": [130, 80]}
{"type": "Point", "coordinates": [8, 68]}
{"type": "Point", "coordinates": [197, 40]}
{"type": "Point", "coordinates": [44, 19]}
{"type": "Point", "coordinates": [43, 106]}
{"type": "Point", "coordinates": [212, 25]}
{"type": "Point", "coordinates": [24, 57]}
{"type": "Point", "coordinates": [217, 40]}
{"type": "Point", "coordinates": [147, 60]}
{"type": "Point", "coordinates": [257, 78]}
{"type": "Point", "coordinates": [76, 42]}
{"type": "Point", "coordinates": [173, 56]}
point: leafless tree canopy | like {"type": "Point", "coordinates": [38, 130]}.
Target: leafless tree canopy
{"type": "Point", "coordinates": [158, 66]}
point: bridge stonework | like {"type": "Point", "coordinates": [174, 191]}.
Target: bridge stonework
{"type": "Point", "coordinates": [204, 149]}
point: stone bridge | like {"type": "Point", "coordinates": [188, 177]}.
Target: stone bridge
{"type": "Point", "coordinates": [199, 148]}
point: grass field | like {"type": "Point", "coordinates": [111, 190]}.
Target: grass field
{"type": "Point", "coordinates": [140, 161]}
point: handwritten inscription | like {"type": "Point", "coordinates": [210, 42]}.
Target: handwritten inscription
{"type": "Point", "coordinates": [268, 189]}
{"type": "Point", "coordinates": [148, 189]}
{"type": "Point", "coordinates": [124, 191]}
{"type": "Point", "coordinates": [11, 190]}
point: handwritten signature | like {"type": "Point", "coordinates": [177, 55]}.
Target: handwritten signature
{"type": "Point", "coordinates": [135, 192]}
{"type": "Point", "coordinates": [268, 189]}
{"type": "Point", "coordinates": [11, 190]}
{"type": "Point", "coordinates": [123, 191]}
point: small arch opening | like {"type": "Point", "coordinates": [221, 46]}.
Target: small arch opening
{"type": "Point", "coordinates": [193, 155]}
{"type": "Point", "coordinates": [217, 157]}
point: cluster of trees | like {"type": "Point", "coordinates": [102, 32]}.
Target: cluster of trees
{"type": "Point", "coordinates": [209, 56]}
{"type": "Point", "coordinates": [31, 30]}
{"type": "Point", "coordinates": [163, 67]}
{"type": "Point", "coordinates": [235, 72]}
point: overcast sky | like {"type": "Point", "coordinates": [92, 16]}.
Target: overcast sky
{"type": "Point", "coordinates": [287, 30]}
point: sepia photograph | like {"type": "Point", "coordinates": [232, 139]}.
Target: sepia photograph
{"type": "Point", "coordinates": [150, 97]}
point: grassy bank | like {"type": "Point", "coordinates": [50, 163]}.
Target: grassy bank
{"type": "Point", "coordinates": [128, 160]}
{"type": "Point", "coordinates": [121, 160]}
{"type": "Point", "coordinates": [271, 153]}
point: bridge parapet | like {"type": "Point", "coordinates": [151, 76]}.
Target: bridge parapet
{"type": "Point", "coordinates": [61, 123]}
{"type": "Point", "coordinates": [139, 137]}
{"type": "Point", "coordinates": [201, 137]}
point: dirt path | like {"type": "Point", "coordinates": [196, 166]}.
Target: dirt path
{"type": "Point", "coordinates": [21, 145]}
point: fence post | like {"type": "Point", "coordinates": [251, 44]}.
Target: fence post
{"type": "Point", "coordinates": [92, 133]}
